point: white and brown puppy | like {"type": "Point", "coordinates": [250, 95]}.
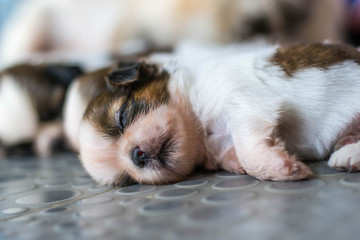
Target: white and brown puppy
{"type": "Point", "coordinates": [31, 100]}
{"type": "Point", "coordinates": [257, 112]}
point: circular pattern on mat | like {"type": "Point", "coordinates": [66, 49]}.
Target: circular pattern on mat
{"type": "Point", "coordinates": [95, 200]}
{"type": "Point", "coordinates": [219, 214]}
{"type": "Point", "coordinates": [192, 183]}
{"type": "Point", "coordinates": [176, 193]}
{"type": "Point", "coordinates": [99, 212]}
{"type": "Point", "coordinates": [336, 192]}
{"type": "Point", "coordinates": [134, 189]}
{"type": "Point", "coordinates": [237, 183]}
{"type": "Point", "coordinates": [70, 225]}
{"type": "Point", "coordinates": [133, 201]}
{"type": "Point", "coordinates": [47, 197]}
{"type": "Point", "coordinates": [13, 211]}
{"type": "Point", "coordinates": [162, 207]}
{"type": "Point", "coordinates": [352, 180]}
{"type": "Point", "coordinates": [228, 197]}
{"type": "Point", "coordinates": [16, 188]}
{"type": "Point", "coordinates": [40, 197]}
{"type": "Point", "coordinates": [294, 186]}
{"type": "Point", "coordinates": [55, 210]}
{"type": "Point", "coordinates": [322, 169]}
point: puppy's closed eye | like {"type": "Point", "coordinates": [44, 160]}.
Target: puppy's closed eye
{"type": "Point", "coordinates": [120, 118]}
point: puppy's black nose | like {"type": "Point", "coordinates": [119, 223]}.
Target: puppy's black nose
{"type": "Point", "coordinates": [139, 157]}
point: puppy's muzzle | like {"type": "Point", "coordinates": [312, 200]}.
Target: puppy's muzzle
{"type": "Point", "coordinates": [139, 157]}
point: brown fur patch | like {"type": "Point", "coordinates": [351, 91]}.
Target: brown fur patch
{"type": "Point", "coordinates": [313, 55]}
{"type": "Point", "coordinates": [155, 91]}
{"type": "Point", "coordinates": [93, 84]}
{"type": "Point", "coordinates": [119, 105]}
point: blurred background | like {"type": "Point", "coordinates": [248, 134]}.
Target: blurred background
{"type": "Point", "coordinates": [88, 30]}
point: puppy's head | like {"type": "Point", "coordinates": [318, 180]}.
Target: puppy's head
{"type": "Point", "coordinates": [135, 132]}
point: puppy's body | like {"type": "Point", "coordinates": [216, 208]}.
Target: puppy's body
{"type": "Point", "coordinates": [255, 112]}
{"type": "Point", "coordinates": [297, 98]}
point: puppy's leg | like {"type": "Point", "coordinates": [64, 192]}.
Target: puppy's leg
{"type": "Point", "coordinates": [261, 151]}
{"type": "Point", "coordinates": [346, 156]}
{"type": "Point", "coordinates": [230, 162]}
{"type": "Point", "coordinates": [50, 139]}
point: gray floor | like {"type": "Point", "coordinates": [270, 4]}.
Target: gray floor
{"type": "Point", "coordinates": [55, 199]}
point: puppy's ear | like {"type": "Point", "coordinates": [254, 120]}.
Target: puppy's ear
{"type": "Point", "coordinates": [132, 75]}
{"type": "Point", "coordinates": [125, 73]}
{"type": "Point", "coordinates": [62, 74]}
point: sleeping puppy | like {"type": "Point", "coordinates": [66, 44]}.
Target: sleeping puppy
{"type": "Point", "coordinates": [31, 101]}
{"type": "Point", "coordinates": [256, 111]}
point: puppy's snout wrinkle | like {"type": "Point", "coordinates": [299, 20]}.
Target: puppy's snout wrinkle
{"type": "Point", "coordinates": [139, 157]}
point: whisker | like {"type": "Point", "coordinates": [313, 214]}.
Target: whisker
{"type": "Point", "coordinates": [124, 180]}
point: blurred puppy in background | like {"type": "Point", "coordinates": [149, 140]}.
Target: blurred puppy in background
{"type": "Point", "coordinates": [31, 102]}
{"type": "Point", "coordinates": [89, 29]}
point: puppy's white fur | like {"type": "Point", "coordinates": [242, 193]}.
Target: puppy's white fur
{"type": "Point", "coordinates": [18, 118]}
{"type": "Point", "coordinates": [74, 109]}
{"type": "Point", "coordinates": [346, 158]}
{"type": "Point", "coordinates": [95, 146]}
{"type": "Point", "coordinates": [245, 97]}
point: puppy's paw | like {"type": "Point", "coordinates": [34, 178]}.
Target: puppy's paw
{"type": "Point", "coordinates": [291, 171]}
{"type": "Point", "coordinates": [277, 165]}
{"type": "Point", "coordinates": [346, 158]}
{"type": "Point", "coordinates": [351, 139]}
